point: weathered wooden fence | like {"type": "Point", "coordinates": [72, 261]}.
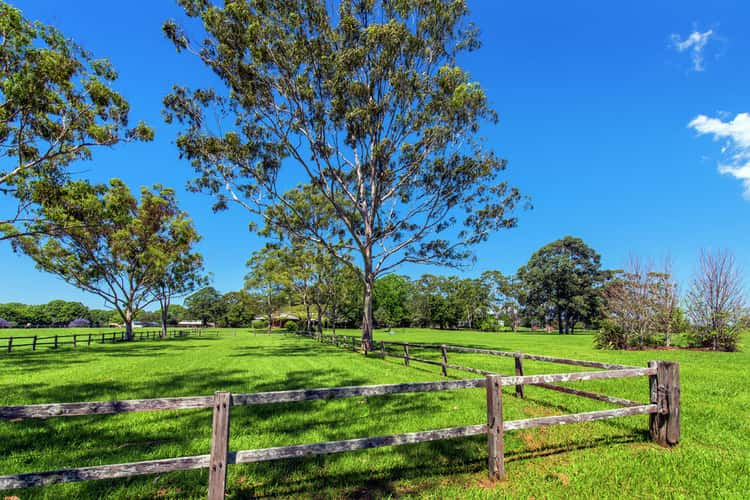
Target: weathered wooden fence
{"type": "Point", "coordinates": [37, 342]}
{"type": "Point", "coordinates": [664, 431]}
{"type": "Point", "coordinates": [663, 408]}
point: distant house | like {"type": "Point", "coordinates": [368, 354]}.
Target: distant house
{"type": "Point", "coordinates": [278, 319]}
{"type": "Point", "coordinates": [190, 323]}
{"type": "Point", "coordinates": [144, 324]}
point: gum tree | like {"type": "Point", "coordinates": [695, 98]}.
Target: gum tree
{"type": "Point", "coordinates": [56, 105]}
{"type": "Point", "coordinates": [182, 272]}
{"type": "Point", "coordinates": [364, 103]}
{"type": "Point", "coordinates": [105, 241]}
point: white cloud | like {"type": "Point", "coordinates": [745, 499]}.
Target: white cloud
{"type": "Point", "coordinates": [736, 148]}
{"type": "Point", "coordinates": [694, 43]}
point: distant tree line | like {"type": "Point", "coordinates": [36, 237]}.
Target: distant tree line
{"type": "Point", "coordinates": [562, 287]}
{"type": "Point", "coordinates": [56, 313]}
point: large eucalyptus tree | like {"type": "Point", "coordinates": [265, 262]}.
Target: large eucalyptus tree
{"type": "Point", "coordinates": [366, 104]}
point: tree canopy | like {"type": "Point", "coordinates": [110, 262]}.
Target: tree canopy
{"type": "Point", "coordinates": [103, 240]}
{"type": "Point", "coordinates": [56, 104]}
{"type": "Point", "coordinates": [562, 280]}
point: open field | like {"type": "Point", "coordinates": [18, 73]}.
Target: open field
{"type": "Point", "coordinates": [607, 459]}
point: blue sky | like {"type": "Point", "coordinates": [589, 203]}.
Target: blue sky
{"type": "Point", "coordinates": [615, 118]}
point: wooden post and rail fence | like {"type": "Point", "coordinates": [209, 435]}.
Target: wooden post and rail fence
{"type": "Point", "coordinates": [14, 343]}
{"type": "Point", "coordinates": [663, 408]}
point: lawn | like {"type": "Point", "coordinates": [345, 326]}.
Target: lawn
{"type": "Point", "coordinates": [605, 459]}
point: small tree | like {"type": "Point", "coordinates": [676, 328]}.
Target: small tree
{"type": "Point", "coordinates": [563, 278]}
{"type": "Point", "coordinates": [716, 303]}
{"type": "Point", "coordinates": [268, 278]}
{"type": "Point", "coordinates": [103, 240]}
{"type": "Point", "coordinates": [181, 272]}
{"type": "Point", "coordinates": [630, 307]}
{"type": "Point", "coordinates": [666, 299]}
{"type": "Point", "coordinates": [206, 305]}
{"type": "Point", "coordinates": [504, 296]}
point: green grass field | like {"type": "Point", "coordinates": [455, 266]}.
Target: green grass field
{"type": "Point", "coordinates": [603, 459]}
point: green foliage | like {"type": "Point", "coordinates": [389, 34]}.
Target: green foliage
{"type": "Point", "coordinates": [56, 104]}
{"type": "Point", "coordinates": [489, 324]}
{"type": "Point", "coordinates": [290, 326]}
{"type": "Point", "coordinates": [54, 313]}
{"type": "Point", "coordinates": [391, 300]}
{"type": "Point", "coordinates": [562, 281]}
{"type": "Point", "coordinates": [206, 305]}
{"type": "Point", "coordinates": [259, 324]}
{"type": "Point", "coordinates": [611, 335]}
{"type": "Point", "coordinates": [239, 309]}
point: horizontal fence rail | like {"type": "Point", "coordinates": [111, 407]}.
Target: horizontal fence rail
{"type": "Point", "coordinates": [36, 342]}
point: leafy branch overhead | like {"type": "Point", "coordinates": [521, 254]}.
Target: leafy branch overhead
{"type": "Point", "coordinates": [56, 104]}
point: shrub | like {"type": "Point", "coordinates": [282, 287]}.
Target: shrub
{"type": "Point", "coordinates": [489, 324]}
{"type": "Point", "coordinates": [291, 326]}
{"type": "Point", "coordinates": [611, 336]}
{"type": "Point", "coordinates": [710, 339]}
{"type": "Point", "coordinates": [4, 323]}
{"type": "Point", "coordinates": [259, 324]}
{"type": "Point", "coordinates": [79, 323]}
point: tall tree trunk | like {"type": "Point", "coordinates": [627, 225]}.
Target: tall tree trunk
{"type": "Point", "coordinates": [319, 311]}
{"type": "Point", "coordinates": [308, 323]}
{"type": "Point", "coordinates": [367, 319]}
{"type": "Point", "coordinates": [164, 321]}
{"type": "Point", "coordinates": [164, 303]}
{"type": "Point", "coordinates": [269, 313]}
{"type": "Point", "coordinates": [333, 320]}
{"type": "Point", "coordinates": [128, 324]}
{"type": "Point", "coordinates": [560, 322]}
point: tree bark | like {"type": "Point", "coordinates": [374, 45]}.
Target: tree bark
{"type": "Point", "coordinates": [164, 303]}
{"type": "Point", "coordinates": [319, 312]}
{"type": "Point", "coordinates": [367, 319]}
{"type": "Point", "coordinates": [128, 324]}
{"type": "Point", "coordinates": [308, 323]}
{"type": "Point", "coordinates": [559, 322]}
{"type": "Point", "coordinates": [269, 312]}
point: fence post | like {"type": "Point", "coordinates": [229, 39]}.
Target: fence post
{"type": "Point", "coordinates": [55, 341]}
{"type": "Point", "coordinates": [354, 342]}
{"type": "Point", "coordinates": [382, 349]}
{"type": "Point", "coordinates": [75, 340]}
{"type": "Point", "coordinates": [665, 393]}
{"type": "Point", "coordinates": [33, 344]}
{"type": "Point", "coordinates": [89, 342]}
{"type": "Point", "coordinates": [217, 472]}
{"type": "Point", "coordinates": [406, 354]}
{"type": "Point", "coordinates": [519, 373]}
{"type": "Point", "coordinates": [102, 338]}
{"type": "Point", "coordinates": [444, 365]}
{"type": "Point", "coordinates": [495, 443]}
{"type": "Point", "coordinates": [10, 343]}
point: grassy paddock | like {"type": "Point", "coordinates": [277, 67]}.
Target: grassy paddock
{"type": "Point", "coordinates": [608, 458]}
